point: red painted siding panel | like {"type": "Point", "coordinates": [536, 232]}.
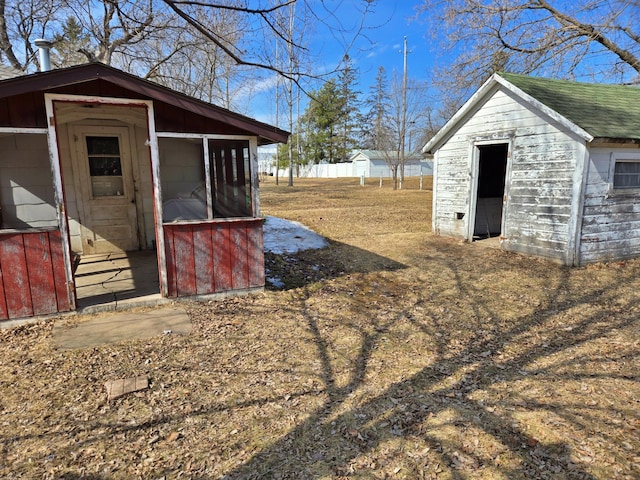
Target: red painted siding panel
{"type": "Point", "coordinates": [59, 271]}
{"type": "Point", "coordinates": [222, 257]}
{"type": "Point", "coordinates": [240, 264]}
{"type": "Point", "coordinates": [5, 118]}
{"type": "Point", "coordinates": [40, 271]}
{"type": "Point", "coordinates": [33, 275]}
{"type": "Point", "coordinates": [203, 252]}
{"type": "Point", "coordinates": [255, 245]}
{"type": "Point", "coordinates": [27, 111]}
{"type": "Point", "coordinates": [15, 276]}
{"type": "Point", "coordinates": [4, 314]}
{"type": "Point", "coordinates": [171, 261]}
{"type": "Point", "coordinates": [185, 264]}
{"type": "Point", "coordinates": [214, 257]}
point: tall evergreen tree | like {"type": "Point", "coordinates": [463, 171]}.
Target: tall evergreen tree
{"type": "Point", "coordinates": [376, 130]}
{"type": "Point", "coordinates": [349, 114]}
{"type": "Point", "coordinates": [322, 125]}
{"type": "Point", "coordinates": [70, 43]}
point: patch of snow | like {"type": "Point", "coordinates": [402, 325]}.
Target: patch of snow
{"type": "Point", "coordinates": [276, 282]}
{"type": "Point", "coordinates": [285, 236]}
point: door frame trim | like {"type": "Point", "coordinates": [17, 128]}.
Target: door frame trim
{"type": "Point", "coordinates": [56, 169]}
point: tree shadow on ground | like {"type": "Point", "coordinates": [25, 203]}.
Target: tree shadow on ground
{"type": "Point", "coordinates": [290, 271]}
{"type": "Point", "coordinates": [475, 342]}
{"type": "Point", "coordinates": [445, 391]}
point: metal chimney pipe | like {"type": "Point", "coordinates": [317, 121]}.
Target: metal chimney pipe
{"type": "Point", "coordinates": [43, 51]}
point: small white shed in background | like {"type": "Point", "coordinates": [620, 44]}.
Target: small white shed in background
{"type": "Point", "coordinates": [373, 164]}
{"type": "Point", "coordinates": [552, 167]}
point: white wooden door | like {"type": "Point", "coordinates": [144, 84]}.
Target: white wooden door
{"type": "Point", "coordinates": [105, 191]}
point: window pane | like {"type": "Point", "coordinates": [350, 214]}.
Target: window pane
{"type": "Point", "coordinates": [626, 175]}
{"type": "Point", "coordinates": [184, 194]}
{"type": "Point", "coordinates": [107, 186]}
{"type": "Point", "coordinates": [230, 176]}
{"type": "Point", "coordinates": [103, 146]}
{"type": "Point", "coordinates": [104, 166]}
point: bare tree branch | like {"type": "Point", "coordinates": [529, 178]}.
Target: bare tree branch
{"type": "Point", "coordinates": [594, 39]}
{"type": "Point", "coordinates": [5, 43]}
{"type": "Point", "coordinates": [592, 33]}
{"type": "Point", "coordinates": [260, 11]}
{"type": "Point", "coordinates": [219, 42]}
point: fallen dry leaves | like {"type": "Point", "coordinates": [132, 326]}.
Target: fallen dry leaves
{"type": "Point", "coordinates": [390, 354]}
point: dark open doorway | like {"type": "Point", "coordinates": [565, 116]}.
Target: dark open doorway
{"type": "Point", "coordinates": [492, 170]}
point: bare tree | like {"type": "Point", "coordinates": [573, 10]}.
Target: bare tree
{"type": "Point", "coordinates": [181, 43]}
{"type": "Point", "coordinates": [114, 26]}
{"type": "Point", "coordinates": [101, 30]}
{"type": "Point", "coordinates": [409, 113]}
{"type": "Point", "coordinates": [293, 26]}
{"type": "Point", "coordinates": [21, 23]}
{"type": "Point", "coordinates": [190, 63]}
{"type": "Point", "coordinates": [264, 24]}
{"type": "Point", "coordinates": [586, 39]}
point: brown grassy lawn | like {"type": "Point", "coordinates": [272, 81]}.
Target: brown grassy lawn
{"type": "Point", "coordinates": [390, 354]}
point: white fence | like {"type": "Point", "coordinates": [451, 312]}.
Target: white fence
{"type": "Point", "coordinates": [338, 170]}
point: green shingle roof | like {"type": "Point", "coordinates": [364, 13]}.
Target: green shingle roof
{"type": "Point", "coordinates": [605, 111]}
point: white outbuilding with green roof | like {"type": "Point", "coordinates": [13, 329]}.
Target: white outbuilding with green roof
{"type": "Point", "coordinates": [550, 167]}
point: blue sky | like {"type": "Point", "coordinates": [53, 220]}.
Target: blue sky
{"type": "Point", "coordinates": [380, 43]}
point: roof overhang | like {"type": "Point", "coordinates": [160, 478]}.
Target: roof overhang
{"type": "Point", "coordinates": [45, 81]}
{"type": "Point", "coordinates": [492, 85]}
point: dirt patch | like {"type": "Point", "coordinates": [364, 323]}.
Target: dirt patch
{"type": "Point", "coordinates": [390, 354]}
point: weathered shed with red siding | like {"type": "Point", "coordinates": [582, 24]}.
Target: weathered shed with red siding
{"type": "Point", "coordinates": [97, 161]}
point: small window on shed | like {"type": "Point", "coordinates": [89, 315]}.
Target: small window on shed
{"type": "Point", "coordinates": [626, 174]}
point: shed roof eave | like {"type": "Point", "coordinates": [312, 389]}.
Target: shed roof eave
{"type": "Point", "coordinates": [491, 85]}
{"type": "Point", "coordinates": [438, 138]}
{"type": "Point", "coordinates": [45, 81]}
{"type": "Point", "coordinates": [267, 133]}
{"type": "Point", "coordinates": [618, 141]}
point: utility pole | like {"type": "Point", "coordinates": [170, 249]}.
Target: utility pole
{"type": "Point", "coordinates": [277, 115]}
{"type": "Point", "coordinates": [290, 92]}
{"type": "Point", "coordinates": [403, 120]}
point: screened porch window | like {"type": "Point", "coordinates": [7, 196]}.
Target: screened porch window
{"type": "Point", "coordinates": [204, 178]}
{"type": "Point", "coordinates": [229, 169]}
{"type": "Point", "coordinates": [27, 197]}
{"type": "Point", "coordinates": [626, 174]}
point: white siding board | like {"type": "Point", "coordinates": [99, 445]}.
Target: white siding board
{"type": "Point", "coordinates": [611, 219]}
{"type": "Point", "coordinates": [615, 231]}
{"type": "Point", "coordinates": [531, 246]}
{"type": "Point", "coordinates": [625, 209]}
{"type": "Point", "coordinates": [545, 191]}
